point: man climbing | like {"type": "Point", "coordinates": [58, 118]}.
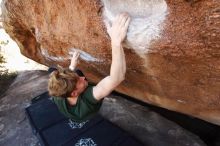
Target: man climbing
{"type": "Point", "coordinates": [72, 94]}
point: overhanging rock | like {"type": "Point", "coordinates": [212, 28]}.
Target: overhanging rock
{"type": "Point", "coordinates": [172, 48]}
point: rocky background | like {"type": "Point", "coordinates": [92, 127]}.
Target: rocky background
{"type": "Point", "coordinates": [178, 69]}
{"type": "Point", "coordinates": [146, 125]}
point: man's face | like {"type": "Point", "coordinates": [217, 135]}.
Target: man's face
{"type": "Point", "coordinates": [81, 84]}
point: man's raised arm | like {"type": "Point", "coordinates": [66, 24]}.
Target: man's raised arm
{"type": "Point", "coordinates": [117, 33]}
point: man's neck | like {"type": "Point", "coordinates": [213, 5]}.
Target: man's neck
{"type": "Point", "coordinates": [72, 100]}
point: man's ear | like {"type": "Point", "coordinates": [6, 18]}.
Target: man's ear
{"type": "Point", "coordinates": [74, 93]}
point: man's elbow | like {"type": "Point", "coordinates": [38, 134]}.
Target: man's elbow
{"type": "Point", "coordinates": [121, 78]}
{"type": "Point", "coordinates": [117, 80]}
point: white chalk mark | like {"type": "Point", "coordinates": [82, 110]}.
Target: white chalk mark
{"type": "Point", "coordinates": [45, 53]}
{"type": "Point", "coordinates": [83, 55]}
{"type": "Point", "coordinates": [181, 101]}
{"type": "Point", "coordinates": [146, 23]}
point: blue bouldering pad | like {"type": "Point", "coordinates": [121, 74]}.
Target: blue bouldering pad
{"type": "Point", "coordinates": [54, 129]}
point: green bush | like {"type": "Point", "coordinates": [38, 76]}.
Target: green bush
{"type": "Point", "coordinates": [2, 43]}
{"type": "Point", "coordinates": [2, 59]}
{"type": "Point", "coordinates": [6, 78]}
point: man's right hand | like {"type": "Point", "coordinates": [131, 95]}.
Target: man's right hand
{"type": "Point", "coordinates": [74, 60]}
{"type": "Point", "coordinates": [119, 28]}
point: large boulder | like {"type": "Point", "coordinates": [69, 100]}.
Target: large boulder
{"type": "Point", "coordinates": [172, 48]}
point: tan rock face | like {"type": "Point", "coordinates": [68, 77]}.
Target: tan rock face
{"type": "Point", "coordinates": [172, 48]}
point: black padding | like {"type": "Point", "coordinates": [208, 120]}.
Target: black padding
{"type": "Point", "coordinates": [40, 97]}
{"type": "Point", "coordinates": [44, 114]}
{"type": "Point", "coordinates": [103, 134]}
{"type": "Point", "coordinates": [54, 129]}
{"type": "Point", "coordinates": [129, 141]}
{"type": "Point", "coordinates": [64, 131]}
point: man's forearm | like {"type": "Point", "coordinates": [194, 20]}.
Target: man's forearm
{"type": "Point", "coordinates": [118, 66]}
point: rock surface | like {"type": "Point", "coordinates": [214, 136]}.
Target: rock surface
{"type": "Point", "coordinates": [15, 128]}
{"type": "Point", "coordinates": [172, 59]}
{"type": "Point", "coordinates": [148, 126]}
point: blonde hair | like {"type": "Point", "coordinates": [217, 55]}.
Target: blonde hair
{"type": "Point", "coordinates": [62, 82]}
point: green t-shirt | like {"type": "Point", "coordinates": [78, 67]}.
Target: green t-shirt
{"type": "Point", "coordinates": [86, 106]}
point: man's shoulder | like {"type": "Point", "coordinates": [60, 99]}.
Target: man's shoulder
{"type": "Point", "coordinates": [89, 96]}
{"type": "Point", "coordinates": [88, 92]}
{"type": "Point", "coordinates": [88, 89]}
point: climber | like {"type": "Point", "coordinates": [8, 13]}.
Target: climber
{"type": "Point", "coordinates": [72, 94]}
